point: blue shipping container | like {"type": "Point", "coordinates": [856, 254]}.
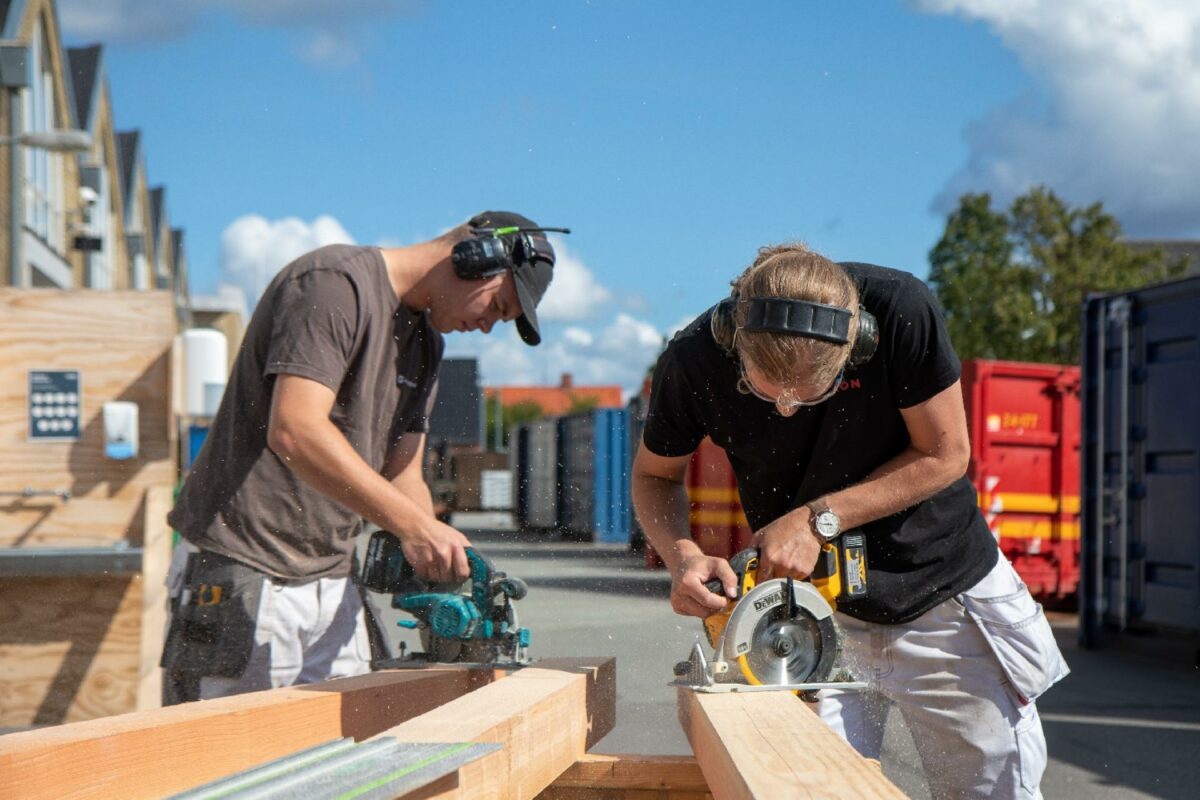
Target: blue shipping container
{"type": "Point", "coordinates": [593, 475]}
{"type": "Point", "coordinates": [1140, 543]}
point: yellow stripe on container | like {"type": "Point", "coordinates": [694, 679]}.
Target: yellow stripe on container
{"type": "Point", "coordinates": [1037, 529]}
{"type": "Point", "coordinates": [713, 494]}
{"type": "Point", "coordinates": [721, 516]}
{"type": "Point", "coordinates": [1029, 503]}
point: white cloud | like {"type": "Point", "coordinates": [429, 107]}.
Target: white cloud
{"type": "Point", "coordinates": [578, 337]}
{"type": "Point", "coordinates": [574, 294]}
{"type": "Point", "coordinates": [1121, 124]}
{"type": "Point", "coordinates": [629, 336]}
{"type": "Point", "coordinates": [139, 21]}
{"type": "Point", "coordinates": [619, 354]}
{"type": "Point", "coordinates": [254, 248]}
{"type": "Point", "coordinates": [123, 21]}
{"type": "Point", "coordinates": [329, 49]}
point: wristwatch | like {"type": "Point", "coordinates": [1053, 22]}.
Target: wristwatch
{"type": "Point", "coordinates": [826, 524]}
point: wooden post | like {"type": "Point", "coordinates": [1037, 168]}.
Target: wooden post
{"type": "Point", "coordinates": [156, 558]}
{"type": "Point", "coordinates": [769, 744]}
{"type": "Point", "coordinates": [546, 716]}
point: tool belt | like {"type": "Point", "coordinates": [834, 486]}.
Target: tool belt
{"type": "Point", "coordinates": [213, 619]}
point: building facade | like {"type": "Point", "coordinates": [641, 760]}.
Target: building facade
{"type": "Point", "coordinates": [75, 213]}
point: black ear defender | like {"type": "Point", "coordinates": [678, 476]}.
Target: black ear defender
{"type": "Point", "coordinates": [798, 318]}
{"type": "Point", "coordinates": [491, 251]}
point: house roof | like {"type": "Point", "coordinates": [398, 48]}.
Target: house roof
{"type": "Point", "coordinates": [128, 153]}
{"type": "Point", "coordinates": [158, 208]}
{"type": "Point", "coordinates": [555, 400]}
{"type": "Point", "coordinates": [83, 71]}
{"type": "Point", "coordinates": [8, 26]}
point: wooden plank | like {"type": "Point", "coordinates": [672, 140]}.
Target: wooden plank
{"type": "Point", "coordinates": [546, 716]}
{"type": "Point", "coordinates": [156, 559]}
{"type": "Point", "coordinates": [162, 751]}
{"type": "Point", "coordinates": [630, 777]}
{"type": "Point", "coordinates": [769, 744]}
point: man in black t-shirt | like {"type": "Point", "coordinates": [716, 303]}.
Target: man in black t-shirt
{"type": "Point", "coordinates": [323, 424]}
{"type": "Point", "coordinates": [854, 419]}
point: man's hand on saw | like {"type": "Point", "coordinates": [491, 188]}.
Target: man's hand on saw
{"type": "Point", "coordinates": [787, 547]}
{"type": "Point", "coordinates": [689, 595]}
{"type": "Point", "coordinates": [437, 552]}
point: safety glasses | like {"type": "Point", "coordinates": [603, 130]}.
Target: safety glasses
{"type": "Point", "coordinates": [786, 402]}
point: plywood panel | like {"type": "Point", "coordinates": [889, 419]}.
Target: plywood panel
{"type": "Point", "coordinates": [69, 648]}
{"type": "Point", "coordinates": [121, 343]}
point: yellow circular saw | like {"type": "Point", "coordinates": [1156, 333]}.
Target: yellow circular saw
{"type": "Point", "coordinates": [779, 634]}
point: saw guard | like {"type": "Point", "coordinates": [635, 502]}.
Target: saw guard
{"type": "Point", "coordinates": [737, 638]}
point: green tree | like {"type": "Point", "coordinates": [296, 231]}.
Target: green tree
{"type": "Point", "coordinates": [1012, 284]}
{"type": "Point", "coordinates": [582, 402]}
{"type": "Point", "coordinates": [510, 417]}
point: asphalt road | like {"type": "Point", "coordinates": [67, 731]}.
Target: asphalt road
{"type": "Point", "coordinates": [1125, 724]}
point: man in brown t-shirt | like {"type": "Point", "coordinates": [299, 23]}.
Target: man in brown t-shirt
{"type": "Point", "coordinates": [323, 424]}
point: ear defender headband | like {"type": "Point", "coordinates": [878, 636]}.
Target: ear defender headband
{"type": "Point", "coordinates": [799, 318]}
{"type": "Point", "coordinates": [491, 251]}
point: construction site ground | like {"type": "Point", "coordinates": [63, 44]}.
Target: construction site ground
{"type": "Point", "coordinates": [1125, 724]}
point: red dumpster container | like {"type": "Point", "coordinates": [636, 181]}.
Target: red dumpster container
{"type": "Point", "coordinates": [716, 519]}
{"type": "Point", "coordinates": [1024, 422]}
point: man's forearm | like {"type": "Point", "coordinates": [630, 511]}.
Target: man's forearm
{"type": "Point", "coordinates": [324, 460]}
{"type": "Point", "coordinates": [662, 509]}
{"type": "Point", "coordinates": [417, 490]}
{"type": "Point", "coordinates": [899, 483]}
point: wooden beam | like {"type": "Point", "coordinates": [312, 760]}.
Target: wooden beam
{"type": "Point", "coordinates": [769, 744]}
{"type": "Point", "coordinates": [167, 750]}
{"type": "Point", "coordinates": [630, 777]}
{"type": "Point", "coordinates": [156, 559]}
{"type": "Point", "coordinates": [546, 716]}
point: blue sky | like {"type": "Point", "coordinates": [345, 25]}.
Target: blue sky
{"type": "Point", "coordinates": [673, 138]}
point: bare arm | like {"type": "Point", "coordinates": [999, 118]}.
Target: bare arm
{"type": "Point", "coordinates": [302, 435]}
{"type": "Point", "coordinates": [662, 508]}
{"type": "Point", "coordinates": [937, 455]}
{"type": "Point", "coordinates": [405, 470]}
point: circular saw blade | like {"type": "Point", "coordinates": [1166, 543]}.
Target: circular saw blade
{"type": "Point", "coordinates": [439, 649]}
{"type": "Point", "coordinates": [784, 649]}
{"type": "Point", "coordinates": [776, 642]}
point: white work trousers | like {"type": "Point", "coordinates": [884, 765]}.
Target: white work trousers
{"type": "Point", "coordinates": [974, 732]}
{"type": "Point", "coordinates": [304, 633]}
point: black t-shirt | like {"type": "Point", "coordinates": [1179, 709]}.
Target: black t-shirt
{"type": "Point", "coordinates": [331, 316]}
{"type": "Point", "coordinates": [916, 558]}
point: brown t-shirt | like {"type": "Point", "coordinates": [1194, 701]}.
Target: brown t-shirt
{"type": "Point", "coordinates": [331, 316]}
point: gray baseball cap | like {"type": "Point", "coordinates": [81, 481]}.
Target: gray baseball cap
{"type": "Point", "coordinates": [532, 270]}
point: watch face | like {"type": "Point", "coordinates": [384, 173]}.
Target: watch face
{"type": "Point", "coordinates": [828, 524]}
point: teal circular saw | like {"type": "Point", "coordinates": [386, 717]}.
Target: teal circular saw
{"type": "Point", "coordinates": [473, 621]}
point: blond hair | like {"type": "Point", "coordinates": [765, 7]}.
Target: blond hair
{"type": "Point", "coordinates": [794, 272]}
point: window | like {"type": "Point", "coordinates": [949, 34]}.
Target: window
{"type": "Point", "coordinates": [44, 207]}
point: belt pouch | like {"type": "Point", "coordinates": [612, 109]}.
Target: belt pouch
{"type": "Point", "coordinates": [213, 618]}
